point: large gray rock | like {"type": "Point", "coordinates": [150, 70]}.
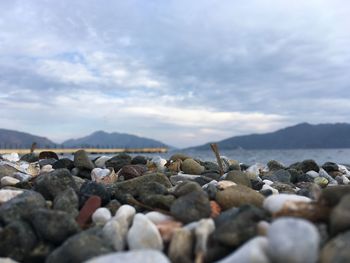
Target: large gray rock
{"type": "Point", "coordinates": [340, 216]}
{"type": "Point", "coordinates": [67, 201]}
{"type": "Point", "coordinates": [337, 250]}
{"type": "Point", "coordinates": [238, 177]}
{"type": "Point", "coordinates": [81, 160]}
{"type": "Point", "coordinates": [137, 256]}
{"type": "Point", "coordinates": [190, 166]}
{"type": "Point", "coordinates": [293, 240]}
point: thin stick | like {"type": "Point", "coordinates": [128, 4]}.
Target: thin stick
{"type": "Point", "coordinates": [215, 149]}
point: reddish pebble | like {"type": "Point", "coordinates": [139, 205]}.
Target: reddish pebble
{"type": "Point", "coordinates": [167, 229]}
{"type": "Point", "coordinates": [215, 209]}
{"type": "Point", "coordinates": [87, 210]}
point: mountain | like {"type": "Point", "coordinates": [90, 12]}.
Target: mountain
{"type": "Point", "coordinates": [16, 139]}
{"type": "Point", "coordinates": [301, 136]}
{"type": "Point", "coordinates": [117, 140]}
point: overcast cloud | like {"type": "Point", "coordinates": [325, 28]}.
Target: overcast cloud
{"type": "Point", "coordinates": [183, 72]}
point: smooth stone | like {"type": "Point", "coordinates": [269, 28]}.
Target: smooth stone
{"type": "Point", "coordinates": [268, 187]}
{"type": "Point", "coordinates": [337, 250]}
{"type": "Point", "coordinates": [179, 156]}
{"type": "Point", "coordinates": [101, 161]}
{"type": "Point", "coordinates": [253, 251]}
{"type": "Point", "coordinates": [17, 239]}
{"type": "Point", "coordinates": [284, 188]}
{"type": "Point", "coordinates": [21, 206]}
{"type": "Point", "coordinates": [175, 179]}
{"type": "Point", "coordinates": [9, 181]}
{"type": "Point", "coordinates": [90, 188]}
{"type": "Point", "coordinates": [81, 160]}
{"type": "Point", "coordinates": [180, 248]}
{"type": "Point", "coordinates": [226, 216]}
{"type": "Point", "coordinates": [137, 256]}
{"type": "Point", "coordinates": [215, 209]}
{"type": "Point", "coordinates": [339, 220]}
{"type": "Point", "coordinates": [313, 174]}
{"type": "Point", "coordinates": [159, 163]}
{"type": "Point", "coordinates": [139, 160]}
{"type": "Point", "coordinates": [238, 195]}
{"type": "Point", "coordinates": [321, 181]}
{"type": "Point", "coordinates": [63, 163]}
{"type": "Point", "coordinates": [131, 171]}
{"type": "Point", "coordinates": [157, 217]}
{"type": "Point", "coordinates": [159, 201]}
{"type": "Point", "coordinates": [7, 170]}
{"type": "Point", "coordinates": [86, 212]}
{"type": "Point", "coordinates": [223, 184]}
{"type": "Point", "coordinates": [211, 189]}
{"type": "Point", "coordinates": [238, 177]}
{"type": "Point", "coordinates": [190, 166]}
{"type": "Point", "coordinates": [118, 161]}
{"type": "Point", "coordinates": [274, 165]}
{"type": "Point", "coordinates": [185, 188]}
{"type": "Point", "coordinates": [210, 166]}
{"type": "Point", "coordinates": [241, 227]}
{"type": "Point", "coordinates": [22, 177]}
{"type": "Point", "coordinates": [11, 157]}
{"type": "Point", "coordinates": [101, 216]}
{"type": "Point", "coordinates": [331, 196]}
{"type": "Point", "coordinates": [309, 165]}
{"type": "Point", "coordinates": [53, 225]}
{"type": "Point", "coordinates": [80, 247]}
{"type": "Point", "coordinates": [293, 240]}
{"type": "Point", "coordinates": [116, 229]}
{"type": "Point", "coordinates": [330, 167]}
{"type": "Point", "coordinates": [234, 165]}
{"type": "Point", "coordinates": [46, 168]}
{"type": "Point", "coordinates": [257, 185]}
{"type": "Point", "coordinates": [97, 174]}
{"type": "Point", "coordinates": [275, 203]}
{"type": "Point", "coordinates": [167, 229]}
{"type": "Point", "coordinates": [48, 155]}
{"type": "Point", "coordinates": [191, 207]}
{"type": "Point", "coordinates": [7, 260]}
{"type": "Point", "coordinates": [51, 184]}
{"type": "Point", "coordinates": [202, 232]}
{"type": "Point", "coordinates": [113, 206]}
{"type": "Point", "coordinates": [67, 201]}
{"type": "Point", "coordinates": [30, 158]}
{"type": "Point", "coordinates": [143, 234]}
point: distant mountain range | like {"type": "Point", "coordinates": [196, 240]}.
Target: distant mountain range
{"type": "Point", "coordinates": [15, 139]}
{"type": "Point", "coordinates": [301, 136]}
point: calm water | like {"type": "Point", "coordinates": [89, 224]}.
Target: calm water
{"type": "Point", "coordinates": [287, 157]}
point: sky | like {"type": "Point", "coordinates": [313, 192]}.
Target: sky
{"type": "Point", "coordinates": [182, 72]}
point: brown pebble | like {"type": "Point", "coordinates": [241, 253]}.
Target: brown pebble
{"type": "Point", "coordinates": [87, 210]}
{"type": "Point", "coordinates": [215, 209]}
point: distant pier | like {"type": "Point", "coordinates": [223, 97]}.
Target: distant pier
{"type": "Point", "coordinates": [88, 150]}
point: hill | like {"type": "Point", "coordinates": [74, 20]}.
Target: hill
{"type": "Point", "coordinates": [301, 136]}
{"type": "Point", "coordinates": [16, 139]}
{"type": "Point", "coordinates": [116, 140]}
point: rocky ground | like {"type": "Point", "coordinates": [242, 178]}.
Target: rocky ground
{"type": "Point", "coordinates": [125, 209]}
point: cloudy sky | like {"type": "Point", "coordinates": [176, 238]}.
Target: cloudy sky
{"type": "Point", "coordinates": [184, 72]}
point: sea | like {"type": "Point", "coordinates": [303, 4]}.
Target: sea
{"type": "Point", "coordinates": [287, 157]}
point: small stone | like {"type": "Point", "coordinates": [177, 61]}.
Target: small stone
{"type": "Point", "coordinates": [9, 181]}
{"type": "Point", "coordinates": [143, 234]}
{"type": "Point", "coordinates": [97, 174]}
{"type": "Point", "coordinates": [139, 160]}
{"type": "Point", "coordinates": [321, 181]}
{"type": "Point", "coordinates": [185, 188]}
{"type": "Point", "coordinates": [179, 156]}
{"type": "Point", "coordinates": [63, 163]}
{"type": "Point", "coordinates": [215, 209]}
{"type": "Point", "coordinates": [137, 256]}
{"type": "Point", "coordinates": [238, 177]}
{"type": "Point", "coordinates": [274, 165]}
{"type": "Point", "coordinates": [238, 195]}
{"type": "Point", "coordinates": [337, 249]}
{"type": "Point", "coordinates": [67, 201]}
{"type": "Point", "coordinates": [309, 165]}
{"type": "Point", "coordinates": [90, 206]}
{"type": "Point", "coordinates": [340, 216]}
{"type": "Point", "coordinates": [7, 170]}
{"type": "Point", "coordinates": [46, 169]}
{"type": "Point", "coordinates": [157, 217]}
{"type": "Point", "coordinates": [101, 161]}
{"type": "Point", "coordinates": [7, 260]}
{"type": "Point", "coordinates": [11, 157]}
{"type": "Point", "coordinates": [90, 188]}
{"type": "Point", "coordinates": [81, 160]}
{"type": "Point", "coordinates": [30, 158]}
{"type": "Point", "coordinates": [191, 207]}
{"type": "Point", "coordinates": [190, 166]}
{"type": "Point", "coordinates": [101, 216]}
{"type": "Point", "coordinates": [113, 206]}
{"type": "Point", "coordinates": [167, 229]}
{"type": "Point", "coordinates": [331, 196]}
{"type": "Point", "coordinates": [180, 248]}
{"type": "Point", "coordinates": [275, 203]}
{"type": "Point", "coordinates": [313, 174]}
{"type": "Point", "coordinates": [330, 167]}
{"type": "Point", "coordinates": [131, 171]}
{"type": "Point", "coordinates": [48, 155]}
{"type": "Point", "coordinates": [223, 184]}
{"type": "Point", "coordinates": [293, 240]}
{"type": "Point", "coordinates": [253, 251]}
{"type": "Point", "coordinates": [118, 161]}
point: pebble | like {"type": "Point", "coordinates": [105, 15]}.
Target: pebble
{"type": "Point", "coordinates": [137, 256]}
{"type": "Point", "coordinates": [238, 177]}
{"type": "Point", "coordinates": [180, 248]}
{"type": "Point", "coordinates": [275, 203]}
{"type": "Point", "coordinates": [8, 181]}
{"type": "Point", "coordinates": [101, 161]}
{"type": "Point", "coordinates": [143, 234]}
{"type": "Point", "coordinates": [101, 216]}
{"type": "Point", "coordinates": [340, 216]}
{"type": "Point", "coordinates": [337, 249]}
{"type": "Point", "coordinates": [157, 217]}
{"type": "Point", "coordinates": [190, 166]}
{"type": "Point", "coordinates": [86, 212]}
{"type": "Point", "coordinates": [131, 171]}
{"type": "Point", "coordinates": [293, 240]}
{"type": "Point", "coordinates": [81, 160]}
{"type": "Point", "coordinates": [253, 251]}
{"type": "Point", "coordinates": [7, 194]}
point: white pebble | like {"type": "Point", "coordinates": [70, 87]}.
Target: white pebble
{"type": "Point", "coordinates": [157, 217]}
{"type": "Point", "coordinates": [7, 194]}
{"type": "Point", "coordinates": [275, 203]}
{"type": "Point", "coordinates": [101, 216]}
{"type": "Point", "coordinates": [97, 174]}
{"type": "Point", "coordinates": [46, 168]}
{"type": "Point", "coordinates": [313, 174]}
{"type": "Point", "coordinates": [11, 157]}
{"type": "Point", "coordinates": [8, 181]}
{"type": "Point", "coordinates": [267, 182]}
{"type": "Point", "coordinates": [268, 187]}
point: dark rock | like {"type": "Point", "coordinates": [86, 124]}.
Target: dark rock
{"type": "Point", "coordinates": [308, 189]}
{"type": "Point", "coordinates": [20, 206]}
{"type": "Point", "coordinates": [244, 166]}
{"type": "Point", "coordinates": [241, 227]}
{"type": "Point", "coordinates": [340, 216]}
{"type": "Point", "coordinates": [83, 173]}
{"type": "Point", "coordinates": [40, 252]}
{"type": "Point", "coordinates": [179, 156]}
{"type": "Point", "coordinates": [86, 212]}
{"type": "Point", "coordinates": [191, 207]}
{"type": "Point", "coordinates": [257, 185]}
{"type": "Point", "coordinates": [6, 170]}
{"type": "Point", "coordinates": [282, 176]}
{"type": "Point", "coordinates": [139, 160]}
{"type": "Point", "coordinates": [190, 166]}
{"type": "Point", "coordinates": [210, 166]}
{"type": "Point", "coordinates": [214, 175]}
{"type": "Point", "coordinates": [63, 163]}
{"type": "Point", "coordinates": [30, 158]}
{"type": "Point", "coordinates": [305, 178]}
{"type": "Point", "coordinates": [81, 160]}
{"type": "Point", "coordinates": [337, 250]}
{"type": "Point", "coordinates": [52, 225]}
{"type": "Point", "coordinates": [44, 162]}
{"type": "Point", "coordinates": [80, 247]}
{"type": "Point", "coordinates": [202, 180]}
{"type": "Point", "coordinates": [185, 188]}
{"type": "Point", "coordinates": [51, 184]}
{"type": "Point", "coordinates": [131, 171]}
{"type": "Point", "coordinates": [330, 167]}
{"type": "Point", "coordinates": [239, 178]}
{"type": "Point", "coordinates": [235, 166]}
{"type": "Point", "coordinates": [113, 206]}
{"type": "Point", "coordinates": [293, 175]}
{"type": "Point", "coordinates": [159, 201]}
{"type": "Point", "coordinates": [17, 240]}
{"type": "Point", "coordinates": [283, 188]}
{"type": "Point", "coordinates": [309, 165]}
{"type": "Point", "coordinates": [266, 192]}
{"type": "Point", "coordinates": [331, 196]}
{"type": "Point", "coordinates": [48, 155]}
{"type": "Point", "coordinates": [274, 165]}
{"type": "Point", "coordinates": [211, 190]}
{"type": "Point", "coordinates": [67, 201]}
{"type": "Point", "coordinates": [90, 188]}
{"type": "Point", "coordinates": [118, 161]}
{"type": "Point", "coordinates": [134, 186]}
{"type": "Point", "coordinates": [238, 195]}
{"type": "Point", "coordinates": [151, 188]}
{"type": "Point", "coordinates": [226, 216]}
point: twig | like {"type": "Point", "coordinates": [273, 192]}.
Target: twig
{"type": "Point", "coordinates": [215, 149]}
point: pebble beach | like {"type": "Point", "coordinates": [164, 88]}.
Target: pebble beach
{"type": "Point", "coordinates": [179, 209]}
